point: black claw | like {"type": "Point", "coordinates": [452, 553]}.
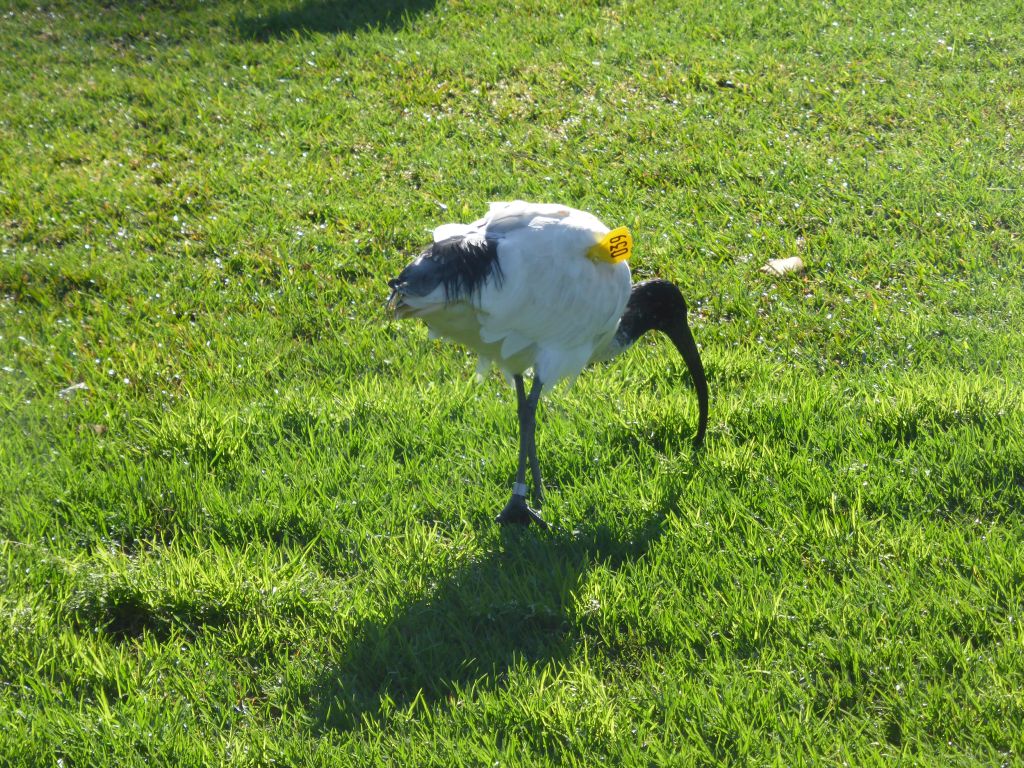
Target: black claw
{"type": "Point", "coordinates": [518, 512]}
{"type": "Point", "coordinates": [535, 517]}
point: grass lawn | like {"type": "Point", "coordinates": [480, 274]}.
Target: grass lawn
{"type": "Point", "coordinates": [261, 531]}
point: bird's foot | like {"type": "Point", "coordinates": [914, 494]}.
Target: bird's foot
{"type": "Point", "coordinates": [518, 512]}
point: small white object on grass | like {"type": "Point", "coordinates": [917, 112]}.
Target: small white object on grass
{"type": "Point", "coordinates": [67, 392]}
{"type": "Point", "coordinates": [780, 267]}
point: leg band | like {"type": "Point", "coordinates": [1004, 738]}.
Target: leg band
{"type": "Point", "coordinates": [519, 489]}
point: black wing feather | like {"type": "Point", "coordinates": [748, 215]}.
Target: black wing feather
{"type": "Point", "coordinates": [460, 265]}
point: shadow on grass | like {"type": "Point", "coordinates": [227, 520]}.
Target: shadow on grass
{"type": "Point", "coordinates": [513, 605]}
{"type": "Point", "coordinates": [329, 17]}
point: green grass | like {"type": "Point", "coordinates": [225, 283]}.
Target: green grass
{"type": "Point", "coordinates": [263, 532]}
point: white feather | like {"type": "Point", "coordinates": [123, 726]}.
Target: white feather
{"type": "Point", "coordinates": [551, 309]}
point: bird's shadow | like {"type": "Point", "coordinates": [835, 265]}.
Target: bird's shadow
{"type": "Point", "coordinates": [511, 606]}
{"type": "Point", "coordinates": [329, 17]}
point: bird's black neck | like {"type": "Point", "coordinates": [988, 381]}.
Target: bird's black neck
{"type": "Point", "coordinates": [657, 305]}
{"type": "Point", "coordinates": [654, 305]}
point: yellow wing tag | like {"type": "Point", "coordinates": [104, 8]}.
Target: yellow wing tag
{"type": "Point", "coordinates": [614, 247]}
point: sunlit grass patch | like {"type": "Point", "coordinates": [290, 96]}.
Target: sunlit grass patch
{"type": "Point", "coordinates": [246, 519]}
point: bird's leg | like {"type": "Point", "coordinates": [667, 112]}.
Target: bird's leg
{"type": "Point", "coordinates": [517, 510]}
{"type": "Point", "coordinates": [532, 404]}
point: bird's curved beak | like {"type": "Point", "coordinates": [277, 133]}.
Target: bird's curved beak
{"type": "Point", "coordinates": [681, 336]}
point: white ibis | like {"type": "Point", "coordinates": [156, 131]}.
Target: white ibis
{"type": "Point", "coordinates": [541, 287]}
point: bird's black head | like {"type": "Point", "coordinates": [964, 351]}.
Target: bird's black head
{"type": "Point", "coordinates": [658, 305]}
{"type": "Point", "coordinates": [654, 305]}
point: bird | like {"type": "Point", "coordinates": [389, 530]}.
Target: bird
{"type": "Point", "coordinates": [546, 288]}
